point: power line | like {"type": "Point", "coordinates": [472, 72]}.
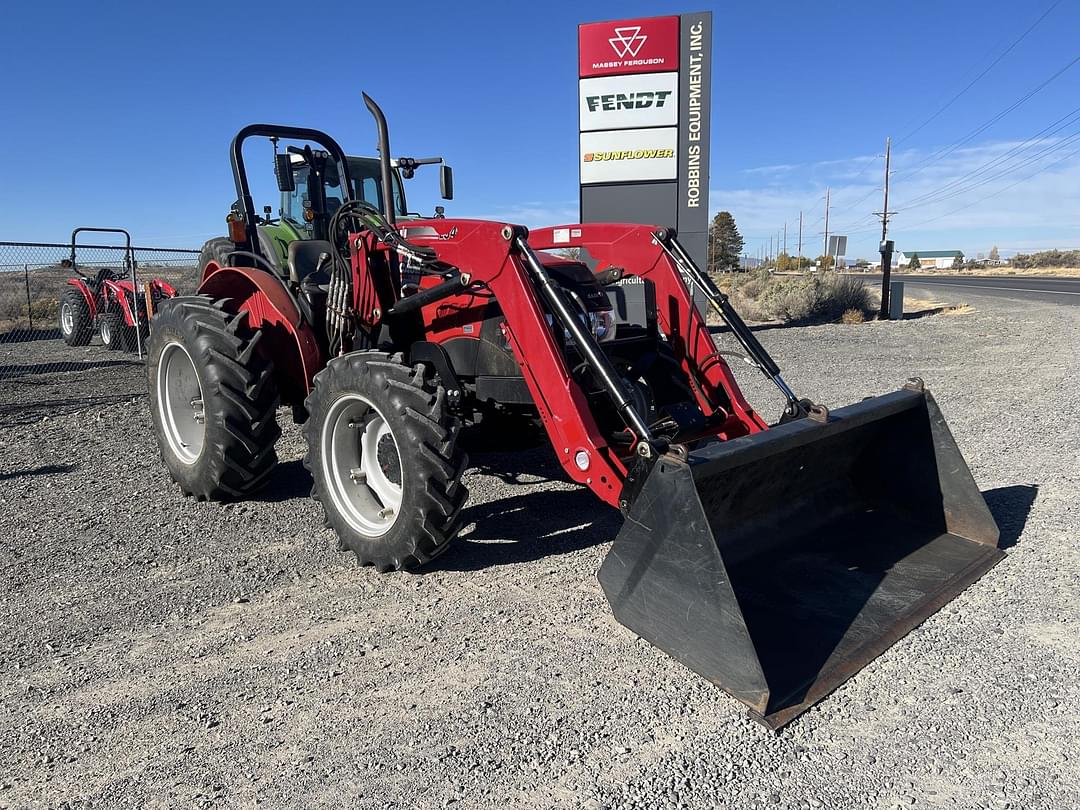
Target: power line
{"type": "Point", "coordinates": [1002, 190]}
{"type": "Point", "coordinates": [935, 157]}
{"type": "Point", "coordinates": [1057, 146]}
{"type": "Point", "coordinates": [986, 70]}
{"type": "Point", "coordinates": [1040, 170]}
{"type": "Point", "coordinates": [1041, 135]}
{"type": "Point", "coordinates": [950, 102]}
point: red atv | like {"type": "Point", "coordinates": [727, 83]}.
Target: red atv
{"type": "Point", "coordinates": [109, 300]}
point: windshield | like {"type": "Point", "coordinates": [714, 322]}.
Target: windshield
{"type": "Point", "coordinates": [365, 175]}
{"type": "Point", "coordinates": [366, 186]}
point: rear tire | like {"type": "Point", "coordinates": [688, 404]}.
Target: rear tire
{"type": "Point", "coordinates": [215, 250]}
{"type": "Point", "coordinates": [111, 328]}
{"type": "Point", "coordinates": [212, 397]}
{"type": "Point", "coordinates": [76, 323]}
{"type": "Point", "coordinates": [383, 451]}
{"type": "Point", "coordinates": [219, 248]}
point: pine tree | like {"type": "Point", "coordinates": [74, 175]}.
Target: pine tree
{"type": "Point", "coordinates": [725, 243]}
{"type": "Point", "coordinates": [914, 264]}
{"type": "Point", "coordinates": [994, 254]}
{"type": "Point", "coordinates": [958, 262]}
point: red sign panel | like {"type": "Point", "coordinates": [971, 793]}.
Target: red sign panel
{"type": "Point", "coordinates": [648, 45]}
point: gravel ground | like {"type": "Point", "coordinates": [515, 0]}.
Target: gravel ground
{"type": "Point", "coordinates": [161, 652]}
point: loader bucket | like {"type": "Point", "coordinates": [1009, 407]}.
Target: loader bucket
{"type": "Point", "coordinates": [777, 565]}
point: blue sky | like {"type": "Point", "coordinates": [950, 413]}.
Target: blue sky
{"type": "Point", "coordinates": [121, 113]}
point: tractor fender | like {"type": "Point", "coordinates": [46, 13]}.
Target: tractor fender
{"type": "Point", "coordinates": [81, 286]}
{"type": "Point", "coordinates": [164, 288]}
{"type": "Point", "coordinates": [118, 291]}
{"type": "Point", "coordinates": [273, 310]}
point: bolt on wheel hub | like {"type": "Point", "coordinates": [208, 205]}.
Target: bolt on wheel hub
{"type": "Point", "coordinates": [361, 465]}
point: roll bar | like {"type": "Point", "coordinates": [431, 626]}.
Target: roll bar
{"type": "Point", "coordinates": [243, 190]}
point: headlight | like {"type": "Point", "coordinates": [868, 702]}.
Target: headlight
{"type": "Point", "coordinates": [603, 325]}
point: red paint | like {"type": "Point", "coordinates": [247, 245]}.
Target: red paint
{"type": "Point", "coordinates": [289, 341]}
{"type": "Point", "coordinates": [644, 45]}
{"type": "Point", "coordinates": [478, 248]}
{"type": "Point", "coordinates": [482, 250]}
{"type": "Point", "coordinates": [81, 286]}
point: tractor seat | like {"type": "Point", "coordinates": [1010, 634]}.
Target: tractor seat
{"type": "Point", "coordinates": [304, 257]}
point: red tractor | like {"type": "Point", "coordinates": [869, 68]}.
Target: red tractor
{"type": "Point", "coordinates": [775, 560]}
{"type": "Point", "coordinates": [109, 301]}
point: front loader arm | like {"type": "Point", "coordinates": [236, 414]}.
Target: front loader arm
{"type": "Point", "coordinates": [486, 253]}
{"type": "Point", "coordinates": [636, 249]}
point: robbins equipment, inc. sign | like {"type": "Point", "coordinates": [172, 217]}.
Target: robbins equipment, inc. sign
{"type": "Point", "coordinates": [643, 123]}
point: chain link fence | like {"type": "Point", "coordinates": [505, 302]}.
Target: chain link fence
{"type": "Point", "coordinates": [40, 373]}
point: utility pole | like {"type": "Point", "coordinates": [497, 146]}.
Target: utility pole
{"type": "Point", "coordinates": [800, 238]}
{"type": "Point", "coordinates": [785, 237]}
{"type": "Point", "coordinates": [825, 252]}
{"type": "Point", "coordinates": [886, 247]}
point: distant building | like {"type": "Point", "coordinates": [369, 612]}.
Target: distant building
{"type": "Point", "coordinates": [928, 258]}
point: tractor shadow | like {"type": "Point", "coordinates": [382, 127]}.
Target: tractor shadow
{"type": "Point", "coordinates": [289, 480]}
{"type": "Point", "coordinates": [530, 525]}
{"type": "Point", "coordinates": [48, 469]}
{"type": "Point", "coordinates": [29, 335]}
{"type": "Point", "coordinates": [1011, 507]}
{"type": "Point", "coordinates": [14, 372]}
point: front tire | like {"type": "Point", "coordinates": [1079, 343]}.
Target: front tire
{"type": "Point", "coordinates": [76, 324]}
{"type": "Point", "coordinates": [383, 452]}
{"type": "Point", "coordinates": [111, 328]}
{"type": "Point", "coordinates": [212, 397]}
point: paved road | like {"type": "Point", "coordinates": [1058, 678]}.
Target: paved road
{"type": "Point", "coordinates": [1053, 289]}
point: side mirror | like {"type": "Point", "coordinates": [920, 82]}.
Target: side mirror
{"type": "Point", "coordinates": [283, 171]}
{"type": "Point", "coordinates": [446, 182]}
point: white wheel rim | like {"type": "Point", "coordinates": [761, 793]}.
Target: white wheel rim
{"type": "Point", "coordinates": [67, 320]}
{"type": "Point", "coordinates": [361, 465]}
{"type": "Point", "coordinates": [106, 332]}
{"type": "Point", "coordinates": [180, 403]}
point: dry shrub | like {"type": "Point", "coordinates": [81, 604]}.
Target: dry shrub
{"type": "Point", "coordinates": [853, 316]}
{"type": "Point", "coordinates": [959, 309]}
{"type": "Point", "coordinates": [802, 299]}
{"type": "Point", "coordinates": [42, 309]}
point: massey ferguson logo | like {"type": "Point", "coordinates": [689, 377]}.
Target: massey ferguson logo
{"type": "Point", "coordinates": [627, 41]}
{"type": "Point", "coordinates": [620, 47]}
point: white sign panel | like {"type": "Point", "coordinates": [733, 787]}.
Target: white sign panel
{"type": "Point", "coordinates": [628, 154]}
{"type": "Point", "coordinates": [629, 102]}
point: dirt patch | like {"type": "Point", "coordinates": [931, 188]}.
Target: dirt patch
{"type": "Point", "coordinates": [162, 652]}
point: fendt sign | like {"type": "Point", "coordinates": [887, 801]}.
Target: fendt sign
{"type": "Point", "coordinates": [628, 102]}
{"type": "Point", "coordinates": [643, 115]}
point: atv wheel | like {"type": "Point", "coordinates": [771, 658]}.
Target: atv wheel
{"type": "Point", "coordinates": [111, 328]}
{"type": "Point", "coordinates": [76, 325]}
{"type": "Point", "coordinates": [212, 397]}
{"type": "Point", "coordinates": [383, 450]}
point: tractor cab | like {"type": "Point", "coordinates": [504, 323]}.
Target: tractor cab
{"type": "Point", "coordinates": [312, 190]}
{"type": "Point", "coordinates": [296, 205]}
